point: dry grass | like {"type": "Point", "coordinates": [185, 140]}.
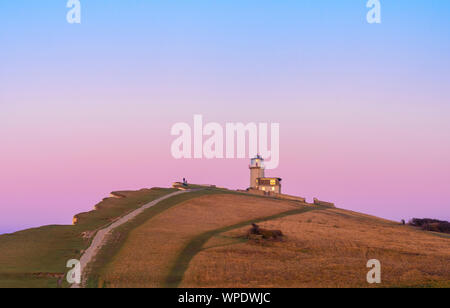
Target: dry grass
{"type": "Point", "coordinates": [326, 248]}
{"type": "Point", "coordinates": [151, 250]}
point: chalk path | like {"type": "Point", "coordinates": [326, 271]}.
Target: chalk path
{"type": "Point", "coordinates": [100, 236]}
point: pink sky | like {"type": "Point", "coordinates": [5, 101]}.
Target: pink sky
{"type": "Point", "coordinates": [364, 110]}
{"type": "Point", "coordinates": [392, 163]}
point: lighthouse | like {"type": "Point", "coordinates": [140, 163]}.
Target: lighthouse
{"type": "Point", "coordinates": [257, 179]}
{"type": "Point", "coordinates": [256, 170]}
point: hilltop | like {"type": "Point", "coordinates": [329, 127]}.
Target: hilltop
{"type": "Point", "coordinates": [198, 239]}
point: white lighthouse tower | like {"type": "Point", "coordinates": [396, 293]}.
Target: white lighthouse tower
{"type": "Point", "coordinates": [256, 170]}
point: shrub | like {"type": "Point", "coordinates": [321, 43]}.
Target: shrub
{"type": "Point", "coordinates": [429, 224]}
{"type": "Point", "coordinates": [266, 234]}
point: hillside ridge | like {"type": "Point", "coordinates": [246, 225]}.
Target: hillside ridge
{"type": "Point", "coordinates": [195, 233]}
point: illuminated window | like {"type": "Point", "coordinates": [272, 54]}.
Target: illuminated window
{"type": "Point", "coordinates": [273, 182]}
{"type": "Point", "coordinates": [263, 188]}
{"type": "Point", "coordinates": [273, 188]}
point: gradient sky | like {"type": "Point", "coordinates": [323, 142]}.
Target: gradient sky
{"type": "Point", "coordinates": [364, 110]}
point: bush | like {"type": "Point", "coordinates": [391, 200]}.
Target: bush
{"type": "Point", "coordinates": [429, 224]}
{"type": "Point", "coordinates": [266, 234]}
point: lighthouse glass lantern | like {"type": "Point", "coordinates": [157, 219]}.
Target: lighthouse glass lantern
{"type": "Point", "coordinates": [257, 162]}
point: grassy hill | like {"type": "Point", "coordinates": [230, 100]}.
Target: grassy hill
{"type": "Point", "coordinates": [37, 257]}
{"type": "Point", "coordinates": [198, 239]}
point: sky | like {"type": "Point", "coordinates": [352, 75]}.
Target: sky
{"type": "Point", "coordinates": [86, 109]}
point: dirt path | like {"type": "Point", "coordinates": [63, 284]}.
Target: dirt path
{"type": "Point", "coordinates": [100, 237]}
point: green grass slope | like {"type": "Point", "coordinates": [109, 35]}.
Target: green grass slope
{"type": "Point", "coordinates": [37, 257]}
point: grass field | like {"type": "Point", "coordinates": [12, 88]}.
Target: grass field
{"type": "Point", "coordinates": [151, 249]}
{"type": "Point", "coordinates": [198, 239]}
{"type": "Point", "coordinates": [37, 257]}
{"type": "Point", "coordinates": [324, 248]}
{"type": "Point", "coordinates": [201, 242]}
{"type": "Point", "coordinates": [118, 237]}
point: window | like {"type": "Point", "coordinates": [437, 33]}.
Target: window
{"type": "Point", "coordinates": [273, 188]}
{"type": "Point", "coordinates": [273, 182]}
